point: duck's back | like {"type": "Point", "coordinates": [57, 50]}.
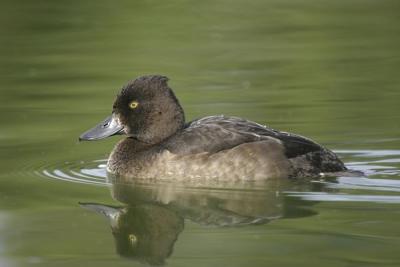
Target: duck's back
{"type": "Point", "coordinates": [221, 135]}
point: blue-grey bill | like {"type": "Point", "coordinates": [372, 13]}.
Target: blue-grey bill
{"type": "Point", "coordinates": [110, 126]}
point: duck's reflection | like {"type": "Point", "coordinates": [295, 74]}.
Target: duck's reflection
{"type": "Point", "coordinates": [147, 227]}
{"type": "Point", "coordinates": [145, 232]}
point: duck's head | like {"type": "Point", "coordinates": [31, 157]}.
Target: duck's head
{"type": "Point", "coordinates": [146, 109]}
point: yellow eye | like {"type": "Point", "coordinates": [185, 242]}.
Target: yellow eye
{"type": "Point", "coordinates": [134, 104]}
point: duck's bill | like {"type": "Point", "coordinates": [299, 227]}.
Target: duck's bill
{"type": "Point", "coordinates": [110, 126]}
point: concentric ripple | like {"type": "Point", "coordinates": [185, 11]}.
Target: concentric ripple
{"type": "Point", "coordinates": [86, 172]}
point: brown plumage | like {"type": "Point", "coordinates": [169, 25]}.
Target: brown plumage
{"type": "Point", "coordinates": [160, 145]}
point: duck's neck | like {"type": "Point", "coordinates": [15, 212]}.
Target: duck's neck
{"type": "Point", "coordinates": [127, 153]}
{"type": "Point", "coordinates": [131, 145]}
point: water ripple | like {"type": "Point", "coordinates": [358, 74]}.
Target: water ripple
{"type": "Point", "coordinates": [323, 196]}
{"type": "Point", "coordinates": [85, 172]}
{"type": "Point", "coordinates": [380, 166]}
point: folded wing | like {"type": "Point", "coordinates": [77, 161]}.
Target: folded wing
{"type": "Point", "coordinates": [216, 133]}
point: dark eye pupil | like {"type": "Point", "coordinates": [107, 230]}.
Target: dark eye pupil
{"type": "Point", "coordinates": [133, 104]}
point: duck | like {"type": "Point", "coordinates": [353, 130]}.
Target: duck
{"type": "Point", "coordinates": [160, 145]}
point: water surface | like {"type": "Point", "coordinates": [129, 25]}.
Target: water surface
{"type": "Point", "coordinates": [326, 70]}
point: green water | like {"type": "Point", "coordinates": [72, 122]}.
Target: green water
{"type": "Point", "coordinates": [328, 70]}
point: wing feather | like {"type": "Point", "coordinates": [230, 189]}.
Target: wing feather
{"type": "Point", "coordinates": [215, 133]}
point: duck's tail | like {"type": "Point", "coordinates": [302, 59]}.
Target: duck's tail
{"type": "Point", "coordinates": [316, 164]}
